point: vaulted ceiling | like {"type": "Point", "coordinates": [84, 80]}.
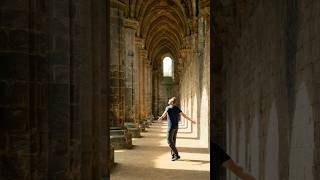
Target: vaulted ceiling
{"type": "Point", "coordinates": [163, 24]}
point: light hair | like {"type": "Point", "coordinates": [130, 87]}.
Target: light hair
{"type": "Point", "coordinates": [172, 101]}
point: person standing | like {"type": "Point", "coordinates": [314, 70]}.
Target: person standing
{"type": "Point", "coordinates": [173, 114]}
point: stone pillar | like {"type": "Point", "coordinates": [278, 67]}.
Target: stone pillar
{"type": "Point", "coordinates": [24, 36]}
{"type": "Point", "coordinates": [155, 91]}
{"type": "Point", "coordinates": [143, 80]}
{"type": "Point", "coordinates": [139, 44]}
{"type": "Point", "coordinates": [148, 87]}
{"type": "Point", "coordinates": [117, 76]}
{"type": "Point", "coordinates": [157, 80]}
{"type": "Point", "coordinates": [130, 27]}
{"type": "Point", "coordinates": [53, 90]}
{"type": "Point", "coordinates": [204, 68]}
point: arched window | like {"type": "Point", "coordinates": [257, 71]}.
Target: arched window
{"type": "Point", "coordinates": [167, 67]}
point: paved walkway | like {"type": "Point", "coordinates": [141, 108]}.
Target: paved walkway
{"type": "Point", "coordinates": [150, 158]}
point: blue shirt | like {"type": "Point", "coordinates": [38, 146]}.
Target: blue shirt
{"type": "Point", "coordinates": [173, 116]}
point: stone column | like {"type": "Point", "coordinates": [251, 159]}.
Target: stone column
{"type": "Point", "coordinates": [53, 90]}
{"type": "Point", "coordinates": [155, 90]}
{"type": "Point", "coordinates": [143, 80]}
{"type": "Point", "coordinates": [117, 76]}
{"type": "Point", "coordinates": [154, 93]}
{"type": "Point", "coordinates": [148, 87]}
{"type": "Point", "coordinates": [139, 45]}
{"type": "Point", "coordinates": [204, 69]}
{"type": "Point", "coordinates": [130, 28]}
{"type": "Point", "coordinates": [24, 43]}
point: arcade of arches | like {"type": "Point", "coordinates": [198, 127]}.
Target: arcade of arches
{"type": "Point", "coordinates": [247, 70]}
{"type": "Point", "coordinates": [143, 33]}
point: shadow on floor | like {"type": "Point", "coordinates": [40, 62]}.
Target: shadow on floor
{"type": "Point", "coordinates": [129, 172]}
{"type": "Point", "coordinates": [166, 148]}
{"type": "Point", "coordinates": [196, 161]}
{"type": "Point", "coordinates": [150, 159]}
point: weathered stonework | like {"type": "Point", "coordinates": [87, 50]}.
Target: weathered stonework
{"type": "Point", "coordinates": [117, 64]}
{"type": "Point", "coordinates": [145, 32]}
{"type": "Point", "coordinates": [120, 138]}
{"type": "Point", "coordinates": [269, 100]}
{"type": "Point", "coordinates": [130, 28]}
{"type": "Point", "coordinates": [53, 90]}
{"type": "Point", "coordinates": [134, 129]}
{"type": "Point", "coordinates": [61, 90]}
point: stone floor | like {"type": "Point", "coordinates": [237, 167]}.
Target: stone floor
{"type": "Point", "coordinates": [150, 158]}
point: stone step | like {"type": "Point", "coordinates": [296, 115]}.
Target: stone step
{"type": "Point", "coordinates": [142, 126]}
{"type": "Point", "coordinates": [120, 138]}
{"type": "Point", "coordinates": [135, 132]}
{"type": "Point", "coordinates": [133, 128]}
{"type": "Point", "coordinates": [121, 142]}
{"type": "Point", "coordinates": [116, 128]}
{"type": "Point", "coordinates": [130, 125]}
{"type": "Point", "coordinates": [117, 132]}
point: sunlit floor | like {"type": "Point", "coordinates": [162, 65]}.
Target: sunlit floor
{"type": "Point", "coordinates": [150, 158]}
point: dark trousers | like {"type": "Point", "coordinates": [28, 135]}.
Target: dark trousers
{"type": "Point", "coordinates": [171, 139]}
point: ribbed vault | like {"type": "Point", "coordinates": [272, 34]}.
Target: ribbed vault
{"type": "Point", "coordinates": [163, 24]}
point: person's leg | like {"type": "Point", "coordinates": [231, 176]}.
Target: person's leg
{"type": "Point", "coordinates": [175, 136]}
{"type": "Point", "coordinates": [174, 139]}
{"type": "Point", "coordinates": [170, 140]}
{"type": "Point", "coordinates": [169, 132]}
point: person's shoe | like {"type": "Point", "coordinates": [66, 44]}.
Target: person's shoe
{"type": "Point", "coordinates": [174, 158]}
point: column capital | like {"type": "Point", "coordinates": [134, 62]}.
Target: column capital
{"type": "Point", "coordinates": [130, 23]}
{"type": "Point", "coordinates": [143, 53]}
{"type": "Point", "coordinates": [140, 42]}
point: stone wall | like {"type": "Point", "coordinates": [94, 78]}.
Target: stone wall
{"type": "Point", "coordinates": [271, 80]}
{"type": "Point", "coordinates": [53, 99]}
{"type": "Point", "coordinates": [195, 81]}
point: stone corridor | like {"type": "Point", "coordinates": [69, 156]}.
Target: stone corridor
{"type": "Point", "coordinates": [76, 76]}
{"type": "Point", "coordinates": [150, 157]}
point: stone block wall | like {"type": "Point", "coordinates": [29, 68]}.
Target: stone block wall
{"type": "Point", "coordinates": [272, 91]}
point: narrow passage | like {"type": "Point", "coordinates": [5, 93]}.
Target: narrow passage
{"type": "Point", "coordinates": [150, 158]}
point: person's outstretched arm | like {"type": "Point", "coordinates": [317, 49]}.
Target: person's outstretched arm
{"type": "Point", "coordinates": [185, 116]}
{"type": "Point", "coordinates": [237, 170]}
{"type": "Point", "coordinates": [162, 116]}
